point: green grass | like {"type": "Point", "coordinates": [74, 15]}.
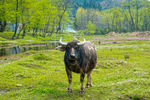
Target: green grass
{"type": "Point", "coordinates": [122, 72]}
{"type": "Point", "coordinates": [2, 39]}
{"type": "Point", "coordinates": [6, 35]}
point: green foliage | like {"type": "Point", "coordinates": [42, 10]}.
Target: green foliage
{"type": "Point", "coordinates": [89, 4]}
{"type": "Point", "coordinates": [40, 56]}
{"type": "Point", "coordinates": [81, 19]}
{"type": "Point", "coordinates": [131, 15]}
{"type": "Point", "coordinates": [2, 39]}
{"type": "Point", "coordinates": [82, 32]}
{"type": "Point", "coordinates": [91, 28]}
{"type": "Point", "coordinates": [6, 35]}
{"type": "Point", "coordinates": [44, 16]}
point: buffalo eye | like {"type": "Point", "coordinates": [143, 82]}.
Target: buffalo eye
{"type": "Point", "coordinates": [68, 47]}
{"type": "Point", "coordinates": [76, 47]}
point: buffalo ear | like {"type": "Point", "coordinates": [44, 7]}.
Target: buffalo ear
{"type": "Point", "coordinates": [61, 48]}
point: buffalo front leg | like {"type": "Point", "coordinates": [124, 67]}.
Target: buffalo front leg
{"type": "Point", "coordinates": [69, 90]}
{"type": "Point", "coordinates": [82, 81]}
{"type": "Point", "coordinates": [89, 82]}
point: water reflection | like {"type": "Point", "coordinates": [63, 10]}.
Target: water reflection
{"type": "Point", "coordinates": [23, 48]}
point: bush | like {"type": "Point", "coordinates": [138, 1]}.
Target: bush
{"type": "Point", "coordinates": [2, 39]}
{"type": "Point", "coordinates": [6, 35]}
{"type": "Point", "coordinates": [40, 56]}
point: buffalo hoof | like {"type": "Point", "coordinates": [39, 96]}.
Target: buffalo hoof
{"type": "Point", "coordinates": [69, 91]}
{"type": "Point", "coordinates": [88, 85]}
{"type": "Point", "coordinates": [82, 91]}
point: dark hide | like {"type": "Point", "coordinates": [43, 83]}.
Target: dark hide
{"type": "Point", "coordinates": [80, 59]}
{"type": "Point", "coordinates": [86, 57]}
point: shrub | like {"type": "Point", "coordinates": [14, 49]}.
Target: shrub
{"type": "Point", "coordinates": [40, 56]}
{"type": "Point", "coordinates": [6, 35]}
{"type": "Point", "coordinates": [2, 39]}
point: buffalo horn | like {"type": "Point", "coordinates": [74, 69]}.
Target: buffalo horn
{"type": "Point", "coordinates": [82, 43]}
{"type": "Point", "coordinates": [62, 43]}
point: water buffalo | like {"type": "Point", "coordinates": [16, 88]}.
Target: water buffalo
{"type": "Point", "coordinates": [80, 57]}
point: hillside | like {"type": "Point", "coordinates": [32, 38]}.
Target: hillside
{"type": "Point", "coordinates": [89, 3]}
{"type": "Point", "coordinates": [98, 4]}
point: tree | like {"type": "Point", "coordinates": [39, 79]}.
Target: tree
{"type": "Point", "coordinates": [91, 28]}
{"type": "Point", "coordinates": [4, 14]}
{"type": "Point", "coordinates": [81, 19]}
{"type": "Point", "coordinates": [16, 18]}
{"type": "Point", "coordinates": [63, 7]}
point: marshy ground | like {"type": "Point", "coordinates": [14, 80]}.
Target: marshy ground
{"type": "Point", "coordinates": [122, 72]}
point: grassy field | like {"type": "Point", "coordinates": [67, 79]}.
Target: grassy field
{"type": "Point", "coordinates": [122, 73]}
{"type": "Point", "coordinates": [5, 37]}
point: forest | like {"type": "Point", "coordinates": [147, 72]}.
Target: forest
{"type": "Point", "coordinates": [129, 17]}
{"type": "Point", "coordinates": [34, 16]}
{"type": "Point", "coordinates": [45, 17]}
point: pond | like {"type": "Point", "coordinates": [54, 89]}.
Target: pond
{"type": "Point", "coordinates": [8, 49]}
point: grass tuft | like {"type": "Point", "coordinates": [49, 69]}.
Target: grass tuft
{"type": "Point", "coordinates": [40, 56]}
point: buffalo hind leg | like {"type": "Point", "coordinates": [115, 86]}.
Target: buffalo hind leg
{"type": "Point", "coordinates": [69, 90]}
{"type": "Point", "coordinates": [82, 85]}
{"type": "Point", "coordinates": [89, 82]}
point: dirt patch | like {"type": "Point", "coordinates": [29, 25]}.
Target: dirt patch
{"type": "Point", "coordinates": [111, 64]}
{"type": "Point", "coordinates": [111, 42]}
{"type": "Point", "coordinates": [113, 34]}
{"type": "Point", "coordinates": [3, 92]}
{"type": "Point", "coordinates": [5, 44]}
{"type": "Point", "coordinates": [6, 59]}
{"type": "Point", "coordinates": [29, 65]}
{"type": "Point", "coordinates": [141, 34]}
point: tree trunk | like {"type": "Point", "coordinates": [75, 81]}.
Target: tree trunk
{"type": "Point", "coordinates": [2, 26]}
{"type": "Point", "coordinates": [59, 24]}
{"type": "Point", "coordinates": [24, 31]}
{"type": "Point", "coordinates": [51, 32]}
{"type": "Point", "coordinates": [36, 30]}
{"type": "Point", "coordinates": [16, 21]}
{"type": "Point", "coordinates": [19, 33]}
{"type": "Point", "coordinates": [47, 26]}
{"type": "Point", "coordinates": [33, 34]}
{"type": "Point", "coordinates": [137, 16]}
{"type": "Point", "coordinates": [127, 25]}
{"type": "Point", "coordinates": [131, 17]}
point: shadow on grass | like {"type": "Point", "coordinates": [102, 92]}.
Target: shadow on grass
{"type": "Point", "coordinates": [57, 90]}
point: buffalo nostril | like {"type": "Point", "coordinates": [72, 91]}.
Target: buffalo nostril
{"type": "Point", "coordinates": [72, 55]}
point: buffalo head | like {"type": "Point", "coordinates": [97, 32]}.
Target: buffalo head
{"type": "Point", "coordinates": [72, 49]}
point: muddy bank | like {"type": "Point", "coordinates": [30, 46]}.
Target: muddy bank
{"type": "Point", "coordinates": [8, 49]}
{"type": "Point", "coordinates": [14, 57]}
{"type": "Point", "coordinates": [122, 38]}
{"type": "Point", "coordinates": [111, 42]}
